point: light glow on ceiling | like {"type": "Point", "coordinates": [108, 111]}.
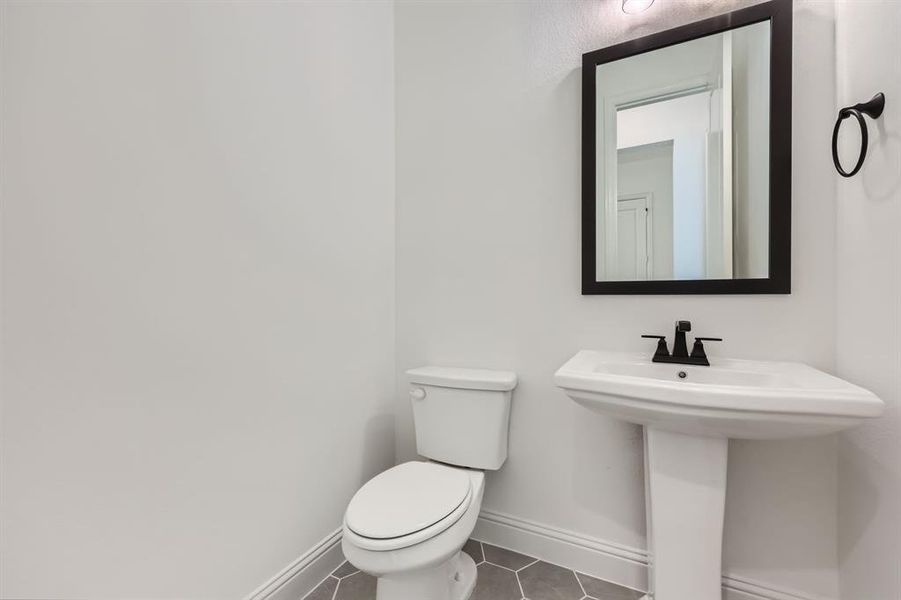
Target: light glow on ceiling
{"type": "Point", "coordinates": [631, 7]}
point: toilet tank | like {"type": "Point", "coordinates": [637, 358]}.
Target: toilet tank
{"type": "Point", "coordinates": [462, 415]}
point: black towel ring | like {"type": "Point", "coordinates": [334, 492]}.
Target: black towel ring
{"type": "Point", "coordinates": [873, 109]}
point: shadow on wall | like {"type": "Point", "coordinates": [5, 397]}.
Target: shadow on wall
{"type": "Point", "coordinates": [859, 472]}
{"type": "Point", "coordinates": [594, 466]}
{"type": "Point", "coordinates": [379, 441]}
{"type": "Point", "coordinates": [884, 156]}
{"type": "Point", "coordinates": [783, 476]}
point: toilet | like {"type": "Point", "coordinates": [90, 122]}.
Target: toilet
{"type": "Point", "coordinates": [407, 525]}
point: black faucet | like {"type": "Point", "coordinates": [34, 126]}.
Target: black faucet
{"type": "Point", "coordinates": [680, 353]}
{"type": "Point", "coordinates": [680, 349]}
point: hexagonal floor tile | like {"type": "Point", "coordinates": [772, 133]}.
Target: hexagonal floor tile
{"type": "Point", "coordinates": [544, 581]}
{"type": "Point", "coordinates": [506, 558]}
{"type": "Point", "coordinates": [324, 591]}
{"type": "Point", "coordinates": [344, 570]}
{"type": "Point", "coordinates": [474, 549]}
{"type": "Point", "coordinates": [359, 586]}
{"type": "Point", "coordinates": [604, 590]}
{"type": "Point", "coordinates": [502, 575]}
{"type": "Point", "coordinates": [496, 583]}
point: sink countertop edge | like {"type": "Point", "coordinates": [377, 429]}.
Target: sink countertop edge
{"type": "Point", "coordinates": [852, 402]}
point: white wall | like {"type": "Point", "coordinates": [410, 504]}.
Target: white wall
{"type": "Point", "coordinates": [868, 287]}
{"type": "Point", "coordinates": [198, 290]}
{"type": "Point", "coordinates": [488, 217]}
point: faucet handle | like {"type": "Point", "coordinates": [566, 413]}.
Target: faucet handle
{"type": "Point", "coordinates": [662, 350]}
{"type": "Point", "coordinates": [697, 351]}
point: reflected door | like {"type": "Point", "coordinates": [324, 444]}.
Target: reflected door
{"type": "Point", "coordinates": [633, 242]}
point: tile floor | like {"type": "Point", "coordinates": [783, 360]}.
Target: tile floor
{"type": "Point", "coordinates": [503, 575]}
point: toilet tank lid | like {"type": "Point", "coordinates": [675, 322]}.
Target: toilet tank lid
{"type": "Point", "coordinates": [467, 379]}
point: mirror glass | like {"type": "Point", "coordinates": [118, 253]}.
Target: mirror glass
{"type": "Point", "coordinates": [683, 160]}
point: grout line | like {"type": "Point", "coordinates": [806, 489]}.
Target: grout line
{"type": "Point", "coordinates": [483, 561]}
{"type": "Point", "coordinates": [528, 565]}
{"type": "Point", "coordinates": [316, 587]}
{"type": "Point", "coordinates": [521, 591]}
{"type": "Point", "coordinates": [581, 587]}
{"type": "Point", "coordinates": [536, 560]}
{"type": "Point", "coordinates": [500, 566]}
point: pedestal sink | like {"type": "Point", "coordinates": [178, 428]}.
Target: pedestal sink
{"type": "Point", "coordinates": [688, 413]}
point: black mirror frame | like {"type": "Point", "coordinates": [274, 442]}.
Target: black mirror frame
{"type": "Point", "coordinates": [779, 13]}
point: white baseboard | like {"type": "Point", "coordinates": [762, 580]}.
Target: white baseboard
{"type": "Point", "coordinates": [611, 562]}
{"type": "Point", "coordinates": [300, 577]}
{"type": "Point", "coordinates": [736, 587]}
{"type": "Point", "coordinates": [605, 560]}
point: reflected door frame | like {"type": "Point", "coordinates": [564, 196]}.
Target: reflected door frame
{"type": "Point", "coordinates": [607, 184]}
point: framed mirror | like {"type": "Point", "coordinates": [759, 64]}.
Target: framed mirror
{"type": "Point", "coordinates": [686, 159]}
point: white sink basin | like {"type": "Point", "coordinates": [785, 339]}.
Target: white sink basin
{"type": "Point", "coordinates": [688, 413]}
{"type": "Point", "coordinates": [731, 398]}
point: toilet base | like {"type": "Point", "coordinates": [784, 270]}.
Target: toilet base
{"type": "Point", "coordinates": [452, 580]}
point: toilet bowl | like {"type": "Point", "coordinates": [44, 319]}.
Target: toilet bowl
{"type": "Point", "coordinates": [407, 527]}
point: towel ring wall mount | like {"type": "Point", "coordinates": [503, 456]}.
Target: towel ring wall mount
{"type": "Point", "coordinates": [873, 109]}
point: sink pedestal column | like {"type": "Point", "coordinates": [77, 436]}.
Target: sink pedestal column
{"type": "Point", "coordinates": [685, 492]}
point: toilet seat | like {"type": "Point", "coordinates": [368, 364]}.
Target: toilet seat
{"type": "Point", "coordinates": [408, 504]}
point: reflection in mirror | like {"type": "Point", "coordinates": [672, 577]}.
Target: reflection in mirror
{"type": "Point", "coordinates": [683, 160]}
